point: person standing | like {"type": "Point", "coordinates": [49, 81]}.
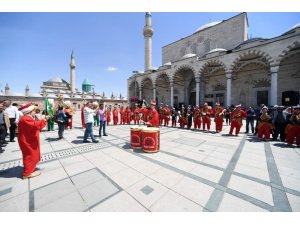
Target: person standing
{"type": "Point", "coordinates": [115, 115]}
{"type": "Point", "coordinates": [197, 117]}
{"type": "Point", "coordinates": [82, 114]}
{"type": "Point", "coordinates": [167, 115]}
{"type": "Point", "coordinates": [265, 125]}
{"type": "Point", "coordinates": [61, 120]}
{"type": "Point", "coordinates": [144, 111]}
{"type": "Point", "coordinates": [189, 117]}
{"type": "Point", "coordinates": [69, 112]}
{"type": "Point", "coordinates": [102, 114]}
{"type": "Point", "coordinates": [122, 112]}
{"type": "Point", "coordinates": [174, 117]}
{"type": "Point", "coordinates": [128, 115]}
{"type": "Point", "coordinates": [227, 115]}
{"type": "Point", "coordinates": [29, 140]}
{"type": "Point", "coordinates": [153, 116]}
{"type": "Point", "coordinates": [13, 115]}
{"type": "Point", "coordinates": [107, 115]}
{"type": "Point", "coordinates": [161, 112]}
{"type": "Point", "coordinates": [206, 113]}
{"type": "Point", "coordinates": [219, 117]}
{"type": "Point", "coordinates": [89, 121]}
{"type": "Point", "coordinates": [293, 128]}
{"type": "Point", "coordinates": [182, 117]}
{"type": "Point", "coordinates": [250, 119]}
{"type": "Point", "coordinates": [4, 125]}
{"type": "Point", "coordinates": [279, 121]}
{"type": "Point", "coordinates": [136, 114]}
{"type": "Point", "coordinates": [96, 117]}
{"type": "Point", "coordinates": [236, 117]}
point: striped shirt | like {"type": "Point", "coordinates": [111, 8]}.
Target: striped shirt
{"type": "Point", "coordinates": [88, 115]}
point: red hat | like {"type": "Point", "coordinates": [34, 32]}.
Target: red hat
{"type": "Point", "coordinates": [153, 102]}
{"type": "Point", "coordinates": [25, 109]}
{"type": "Point", "coordinates": [217, 104]}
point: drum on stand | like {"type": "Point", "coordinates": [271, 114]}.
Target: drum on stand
{"type": "Point", "coordinates": [151, 139]}
{"type": "Point", "coordinates": [136, 137]}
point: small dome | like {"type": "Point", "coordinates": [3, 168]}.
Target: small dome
{"type": "Point", "coordinates": [217, 50]}
{"type": "Point", "coordinates": [168, 64]}
{"type": "Point", "coordinates": [86, 81]}
{"type": "Point", "coordinates": [189, 55]}
{"type": "Point", "coordinates": [211, 24]}
{"type": "Point", "coordinates": [57, 79]}
{"type": "Point", "coordinates": [35, 95]}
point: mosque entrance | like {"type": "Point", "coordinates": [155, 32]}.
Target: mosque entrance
{"type": "Point", "coordinates": [262, 98]}
{"type": "Point", "coordinates": [192, 100]}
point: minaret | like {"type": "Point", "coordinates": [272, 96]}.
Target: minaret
{"type": "Point", "coordinates": [148, 33]}
{"type": "Point", "coordinates": [72, 77]}
{"type": "Point", "coordinates": [27, 91]}
{"type": "Point", "coordinates": [7, 90]}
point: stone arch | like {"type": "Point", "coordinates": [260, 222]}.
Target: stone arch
{"type": "Point", "coordinates": [182, 78]}
{"type": "Point", "coordinates": [212, 62]}
{"type": "Point", "coordinates": [162, 74]}
{"type": "Point", "coordinates": [147, 89]}
{"type": "Point", "coordinates": [145, 78]}
{"type": "Point", "coordinates": [162, 84]}
{"type": "Point", "coordinates": [267, 58]}
{"type": "Point", "coordinates": [286, 51]}
{"type": "Point", "coordinates": [133, 88]}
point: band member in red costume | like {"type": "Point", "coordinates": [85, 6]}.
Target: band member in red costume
{"type": "Point", "coordinates": [167, 113]}
{"type": "Point", "coordinates": [108, 116]}
{"type": "Point", "coordinates": [219, 117]}
{"type": "Point", "coordinates": [265, 125]}
{"type": "Point", "coordinates": [153, 116]}
{"type": "Point", "coordinates": [136, 114]}
{"type": "Point", "coordinates": [122, 113]}
{"type": "Point", "coordinates": [82, 115]}
{"type": "Point", "coordinates": [236, 117]}
{"type": "Point", "coordinates": [128, 115]}
{"type": "Point", "coordinates": [197, 117]}
{"type": "Point", "coordinates": [29, 140]}
{"type": "Point", "coordinates": [206, 113]}
{"type": "Point", "coordinates": [293, 128]}
{"type": "Point", "coordinates": [115, 115]}
{"type": "Point", "coordinates": [144, 111]}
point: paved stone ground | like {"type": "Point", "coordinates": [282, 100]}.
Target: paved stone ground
{"type": "Point", "coordinates": [194, 171]}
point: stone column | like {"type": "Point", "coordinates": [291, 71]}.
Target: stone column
{"type": "Point", "coordinates": [274, 85]}
{"type": "Point", "coordinates": [172, 94]}
{"type": "Point", "coordinates": [228, 88]}
{"type": "Point", "coordinates": [197, 80]}
{"type": "Point", "coordinates": [140, 89]}
{"type": "Point", "coordinates": [154, 92]}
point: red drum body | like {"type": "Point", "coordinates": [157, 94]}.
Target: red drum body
{"type": "Point", "coordinates": [151, 139]}
{"type": "Point", "coordinates": [136, 137]}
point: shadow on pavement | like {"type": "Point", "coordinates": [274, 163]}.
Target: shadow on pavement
{"type": "Point", "coordinates": [13, 172]}
{"type": "Point", "coordinates": [77, 142]}
{"type": "Point", "coordinates": [49, 139]}
{"type": "Point", "coordinates": [284, 145]}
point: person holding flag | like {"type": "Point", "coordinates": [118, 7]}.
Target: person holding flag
{"type": "Point", "coordinates": [49, 105]}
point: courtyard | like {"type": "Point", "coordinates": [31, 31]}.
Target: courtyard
{"type": "Point", "coordinates": [194, 171]}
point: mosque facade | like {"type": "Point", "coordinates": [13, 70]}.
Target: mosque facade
{"type": "Point", "coordinates": [219, 63]}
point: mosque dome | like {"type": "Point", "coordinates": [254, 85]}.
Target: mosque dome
{"type": "Point", "coordinates": [211, 24]}
{"type": "Point", "coordinates": [189, 55]}
{"type": "Point", "coordinates": [57, 79]}
{"type": "Point", "coordinates": [217, 50]}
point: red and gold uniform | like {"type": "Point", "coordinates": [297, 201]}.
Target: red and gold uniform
{"type": "Point", "coordinates": [293, 128]}
{"type": "Point", "coordinates": [219, 117]}
{"type": "Point", "coordinates": [29, 141]}
{"type": "Point", "coordinates": [206, 113]}
{"type": "Point", "coordinates": [197, 117]}
{"type": "Point", "coordinates": [136, 114]}
{"type": "Point", "coordinates": [167, 113]}
{"type": "Point", "coordinates": [182, 118]}
{"type": "Point", "coordinates": [128, 115]}
{"type": "Point", "coordinates": [153, 116]}
{"type": "Point", "coordinates": [82, 116]}
{"type": "Point", "coordinates": [236, 117]}
{"type": "Point", "coordinates": [115, 116]}
{"type": "Point", "coordinates": [70, 111]}
{"type": "Point", "coordinates": [122, 112]}
{"type": "Point", "coordinates": [108, 116]}
{"type": "Point", "coordinates": [265, 126]}
{"type": "Point", "coordinates": [161, 112]}
{"type": "Point", "coordinates": [144, 111]}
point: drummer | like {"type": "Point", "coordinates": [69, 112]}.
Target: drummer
{"type": "Point", "coordinates": [153, 116]}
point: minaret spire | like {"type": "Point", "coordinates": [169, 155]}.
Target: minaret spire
{"type": "Point", "coordinates": [148, 33]}
{"type": "Point", "coordinates": [72, 74]}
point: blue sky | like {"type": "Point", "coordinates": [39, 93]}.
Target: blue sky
{"type": "Point", "coordinates": [35, 47]}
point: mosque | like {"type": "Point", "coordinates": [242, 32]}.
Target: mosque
{"type": "Point", "coordinates": [218, 62]}
{"type": "Point", "coordinates": [55, 87]}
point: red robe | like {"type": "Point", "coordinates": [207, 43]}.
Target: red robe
{"type": "Point", "coordinates": [153, 118]}
{"type": "Point", "coordinates": [29, 142]}
{"type": "Point", "coordinates": [219, 118]}
{"type": "Point", "coordinates": [115, 116]}
{"type": "Point", "coordinates": [136, 115]}
{"type": "Point", "coordinates": [122, 112]}
{"type": "Point", "coordinates": [145, 114]}
{"type": "Point", "coordinates": [107, 116]}
{"type": "Point", "coordinates": [236, 118]}
{"type": "Point", "coordinates": [128, 116]}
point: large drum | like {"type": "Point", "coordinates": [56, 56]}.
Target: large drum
{"type": "Point", "coordinates": [136, 137]}
{"type": "Point", "coordinates": [151, 139]}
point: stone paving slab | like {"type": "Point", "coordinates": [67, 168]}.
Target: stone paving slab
{"type": "Point", "coordinates": [194, 171]}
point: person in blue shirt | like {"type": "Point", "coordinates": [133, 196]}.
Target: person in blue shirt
{"type": "Point", "coordinates": [250, 119]}
{"type": "Point", "coordinates": [61, 120]}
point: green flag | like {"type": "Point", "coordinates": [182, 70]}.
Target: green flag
{"type": "Point", "coordinates": [48, 108]}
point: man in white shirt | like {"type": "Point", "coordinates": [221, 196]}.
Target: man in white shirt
{"type": "Point", "coordinates": [89, 121]}
{"type": "Point", "coordinates": [13, 115]}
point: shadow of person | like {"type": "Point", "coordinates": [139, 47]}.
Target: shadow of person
{"type": "Point", "coordinates": [284, 145]}
{"type": "Point", "coordinates": [12, 172]}
{"type": "Point", "coordinates": [50, 139]}
{"type": "Point", "coordinates": [77, 141]}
